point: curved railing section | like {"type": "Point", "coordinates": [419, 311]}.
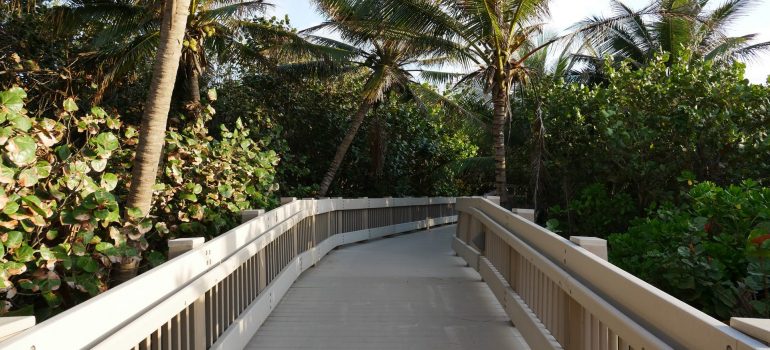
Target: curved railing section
{"type": "Point", "coordinates": [560, 295]}
{"type": "Point", "coordinates": [219, 293]}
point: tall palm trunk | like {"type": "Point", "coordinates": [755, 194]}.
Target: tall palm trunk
{"type": "Point", "coordinates": [500, 105]}
{"type": "Point", "coordinates": [193, 97]}
{"type": "Point", "coordinates": [342, 149]}
{"type": "Point", "coordinates": [153, 130]}
{"type": "Point", "coordinates": [538, 160]}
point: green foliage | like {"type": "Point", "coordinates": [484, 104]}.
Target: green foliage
{"type": "Point", "coordinates": [675, 27]}
{"type": "Point", "coordinates": [642, 129]}
{"type": "Point", "coordinates": [57, 206]}
{"type": "Point", "coordinates": [401, 150]}
{"type": "Point", "coordinates": [207, 182]}
{"type": "Point", "coordinates": [710, 252]}
{"type": "Point", "coordinates": [595, 212]}
{"type": "Point", "coordinates": [62, 184]}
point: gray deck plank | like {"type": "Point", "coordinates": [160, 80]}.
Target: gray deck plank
{"type": "Point", "coordinates": [406, 292]}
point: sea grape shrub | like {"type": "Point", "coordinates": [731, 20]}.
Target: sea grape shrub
{"type": "Point", "coordinates": [61, 226]}
{"type": "Point", "coordinates": [63, 183]}
{"type": "Point", "coordinates": [208, 181]}
{"type": "Point", "coordinates": [639, 130]}
{"type": "Point", "coordinates": [711, 252]}
{"type": "Point", "coordinates": [596, 211]}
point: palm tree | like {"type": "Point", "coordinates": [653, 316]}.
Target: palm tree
{"type": "Point", "coordinates": [153, 130]}
{"type": "Point", "coordinates": [128, 33]}
{"type": "Point", "coordinates": [496, 37]}
{"type": "Point", "coordinates": [672, 26]}
{"type": "Point", "coordinates": [389, 55]}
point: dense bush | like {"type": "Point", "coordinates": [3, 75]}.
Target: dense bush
{"type": "Point", "coordinates": [595, 212]}
{"type": "Point", "coordinates": [207, 182]}
{"type": "Point", "coordinates": [655, 157]}
{"type": "Point", "coordinates": [63, 226]}
{"type": "Point", "coordinates": [712, 251]}
{"type": "Point", "coordinates": [61, 222]}
{"type": "Point", "coordinates": [640, 130]}
{"type": "Point", "coordinates": [400, 150]}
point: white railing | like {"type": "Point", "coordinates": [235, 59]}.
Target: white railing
{"type": "Point", "coordinates": [560, 295]}
{"type": "Point", "coordinates": [219, 293]}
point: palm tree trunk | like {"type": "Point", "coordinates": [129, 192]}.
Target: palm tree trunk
{"type": "Point", "coordinates": [500, 105]}
{"type": "Point", "coordinates": [153, 129]}
{"type": "Point", "coordinates": [342, 149]}
{"type": "Point", "coordinates": [538, 160]}
{"type": "Point", "coordinates": [193, 87]}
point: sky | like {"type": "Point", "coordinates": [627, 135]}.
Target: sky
{"type": "Point", "coordinates": [564, 13]}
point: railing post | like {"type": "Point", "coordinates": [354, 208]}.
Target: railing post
{"type": "Point", "coordinates": [365, 214]}
{"type": "Point", "coordinates": [177, 247]}
{"type": "Point", "coordinates": [285, 200]}
{"type": "Point", "coordinates": [594, 245]}
{"type": "Point", "coordinates": [528, 214]}
{"type": "Point", "coordinates": [493, 199]}
{"type": "Point", "coordinates": [247, 215]}
{"type": "Point", "coordinates": [389, 211]}
{"type": "Point", "coordinates": [758, 328]}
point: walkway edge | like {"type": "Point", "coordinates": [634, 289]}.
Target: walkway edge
{"type": "Point", "coordinates": [534, 332]}
{"type": "Point", "coordinates": [248, 323]}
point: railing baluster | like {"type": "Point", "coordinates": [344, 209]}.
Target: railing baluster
{"type": "Point", "coordinates": [175, 333]}
{"type": "Point", "coordinates": [622, 345]}
{"type": "Point", "coordinates": [144, 344]}
{"type": "Point", "coordinates": [612, 341]}
{"type": "Point", "coordinates": [221, 309]}
{"type": "Point", "coordinates": [155, 340]}
{"type": "Point", "coordinates": [222, 297]}
{"type": "Point", "coordinates": [262, 271]}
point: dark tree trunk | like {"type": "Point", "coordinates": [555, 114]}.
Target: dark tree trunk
{"type": "Point", "coordinates": [538, 162]}
{"type": "Point", "coordinates": [500, 103]}
{"type": "Point", "coordinates": [342, 149]}
{"type": "Point", "coordinates": [193, 90]}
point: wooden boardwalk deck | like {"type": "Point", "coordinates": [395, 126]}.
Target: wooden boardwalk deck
{"type": "Point", "coordinates": [405, 292]}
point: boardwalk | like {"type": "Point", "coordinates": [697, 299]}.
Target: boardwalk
{"type": "Point", "coordinates": [406, 292]}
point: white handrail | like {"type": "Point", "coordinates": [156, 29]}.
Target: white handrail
{"type": "Point", "coordinates": [231, 272]}
{"type": "Point", "coordinates": [575, 298]}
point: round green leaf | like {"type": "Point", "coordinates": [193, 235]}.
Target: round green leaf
{"type": "Point", "coordinates": [99, 165]}
{"type": "Point", "coordinates": [51, 234]}
{"type": "Point", "coordinates": [21, 150]}
{"type": "Point", "coordinates": [20, 122]}
{"type": "Point", "coordinates": [134, 213]}
{"type": "Point", "coordinates": [70, 105]}
{"type": "Point", "coordinates": [24, 253]}
{"type": "Point", "coordinates": [43, 169]}
{"type": "Point", "coordinates": [109, 181]}
{"type": "Point", "coordinates": [5, 134]}
{"type": "Point", "coordinates": [98, 112]}
{"type": "Point", "coordinates": [7, 174]}
{"type": "Point", "coordinates": [63, 152]}
{"type": "Point", "coordinates": [13, 239]}
{"type": "Point", "coordinates": [13, 99]}
{"type": "Point", "coordinates": [11, 208]}
{"type": "Point", "coordinates": [88, 264]}
{"type": "Point", "coordinates": [107, 141]}
{"type": "Point", "coordinates": [28, 177]}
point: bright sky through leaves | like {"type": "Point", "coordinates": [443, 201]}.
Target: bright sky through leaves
{"type": "Point", "coordinates": [564, 13]}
